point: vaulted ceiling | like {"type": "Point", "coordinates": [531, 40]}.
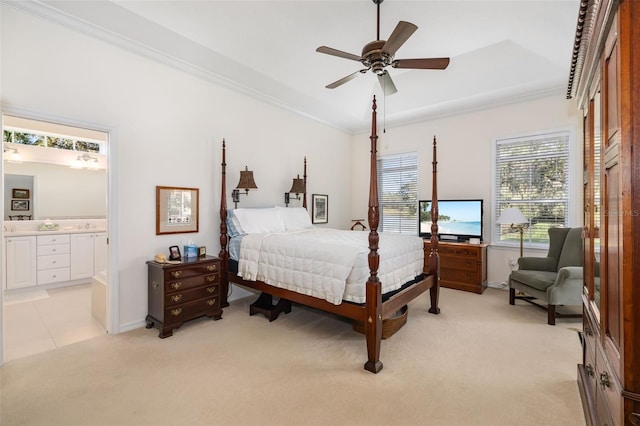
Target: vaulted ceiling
{"type": "Point", "coordinates": [501, 51]}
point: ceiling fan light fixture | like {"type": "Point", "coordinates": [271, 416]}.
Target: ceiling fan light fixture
{"type": "Point", "coordinates": [378, 54]}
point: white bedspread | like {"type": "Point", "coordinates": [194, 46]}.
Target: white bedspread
{"type": "Point", "coordinates": [327, 263]}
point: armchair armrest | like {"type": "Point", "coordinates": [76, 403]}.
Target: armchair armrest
{"type": "Point", "coordinates": [569, 272]}
{"type": "Point", "coordinates": [567, 288]}
{"type": "Point", "coordinates": [538, 263]}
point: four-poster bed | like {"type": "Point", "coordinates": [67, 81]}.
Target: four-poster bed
{"type": "Point", "coordinates": [377, 306]}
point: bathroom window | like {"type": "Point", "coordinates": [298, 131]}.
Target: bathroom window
{"type": "Point", "coordinates": [49, 141]}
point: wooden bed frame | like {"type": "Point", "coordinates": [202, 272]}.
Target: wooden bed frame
{"type": "Point", "coordinates": [374, 311]}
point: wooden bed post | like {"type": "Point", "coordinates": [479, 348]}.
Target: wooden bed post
{"type": "Point", "coordinates": [224, 254]}
{"type": "Point", "coordinates": [434, 260]}
{"type": "Point", "coordinates": [373, 323]}
{"type": "Point", "coordinates": [304, 176]}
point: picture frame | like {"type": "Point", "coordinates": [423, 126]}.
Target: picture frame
{"type": "Point", "coordinates": [202, 251]}
{"type": "Point", "coordinates": [177, 210]}
{"type": "Point", "coordinates": [20, 193]}
{"type": "Point", "coordinates": [20, 205]}
{"type": "Point", "coordinates": [174, 253]}
{"type": "Point", "coordinates": [319, 208]}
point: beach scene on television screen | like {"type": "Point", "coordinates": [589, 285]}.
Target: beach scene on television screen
{"type": "Point", "coordinates": [454, 217]}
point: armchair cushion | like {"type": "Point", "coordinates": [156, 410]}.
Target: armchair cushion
{"type": "Point", "coordinates": [540, 280]}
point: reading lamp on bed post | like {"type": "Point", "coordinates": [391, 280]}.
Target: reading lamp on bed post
{"type": "Point", "coordinates": [246, 182]}
{"type": "Point", "coordinates": [296, 188]}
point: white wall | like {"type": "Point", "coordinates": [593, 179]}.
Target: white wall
{"type": "Point", "coordinates": [464, 158]}
{"type": "Point", "coordinates": [166, 127]}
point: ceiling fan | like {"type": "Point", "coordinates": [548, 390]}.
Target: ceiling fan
{"type": "Point", "coordinates": [379, 54]}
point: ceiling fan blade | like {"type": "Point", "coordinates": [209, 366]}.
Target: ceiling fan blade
{"type": "Point", "coordinates": [339, 53]}
{"type": "Point", "coordinates": [400, 34]}
{"type": "Point", "coordinates": [388, 88]}
{"type": "Point", "coordinates": [422, 64]}
{"type": "Point", "coordinates": [343, 80]}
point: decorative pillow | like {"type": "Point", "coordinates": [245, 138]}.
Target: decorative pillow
{"type": "Point", "coordinates": [295, 218]}
{"type": "Point", "coordinates": [257, 221]}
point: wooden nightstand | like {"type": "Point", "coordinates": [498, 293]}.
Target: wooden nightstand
{"type": "Point", "coordinates": [463, 266]}
{"type": "Point", "coordinates": [182, 292]}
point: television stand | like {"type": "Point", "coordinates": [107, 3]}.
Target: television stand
{"type": "Point", "coordinates": [463, 266]}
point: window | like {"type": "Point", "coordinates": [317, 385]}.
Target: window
{"type": "Point", "coordinates": [398, 193]}
{"type": "Point", "coordinates": [50, 141]}
{"type": "Point", "coordinates": [532, 174]}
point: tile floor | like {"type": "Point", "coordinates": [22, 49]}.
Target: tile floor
{"type": "Point", "coordinates": [42, 323]}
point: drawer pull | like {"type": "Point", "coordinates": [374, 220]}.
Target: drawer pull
{"type": "Point", "coordinates": [176, 274]}
{"type": "Point", "coordinates": [635, 419]}
{"type": "Point", "coordinates": [154, 285]}
{"type": "Point", "coordinates": [211, 289]}
{"type": "Point", "coordinates": [211, 302]}
{"type": "Point", "coordinates": [589, 370]}
{"type": "Point", "coordinates": [604, 380]}
{"type": "Point", "coordinates": [176, 298]}
{"type": "Point", "coordinates": [211, 267]}
{"type": "Point", "coordinates": [211, 278]}
{"type": "Point", "coordinates": [176, 312]}
{"type": "Point", "coordinates": [176, 286]}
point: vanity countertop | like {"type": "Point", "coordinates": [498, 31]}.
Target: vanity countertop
{"type": "Point", "coordinates": [28, 233]}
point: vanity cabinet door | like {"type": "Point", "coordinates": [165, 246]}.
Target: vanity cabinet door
{"type": "Point", "coordinates": [82, 256]}
{"type": "Point", "coordinates": [21, 262]}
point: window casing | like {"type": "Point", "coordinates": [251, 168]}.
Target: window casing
{"type": "Point", "coordinates": [398, 193]}
{"type": "Point", "coordinates": [532, 173]}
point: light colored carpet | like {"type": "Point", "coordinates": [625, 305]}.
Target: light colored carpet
{"type": "Point", "coordinates": [480, 362]}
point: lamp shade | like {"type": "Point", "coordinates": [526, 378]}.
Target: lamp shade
{"type": "Point", "coordinates": [511, 216]}
{"type": "Point", "coordinates": [246, 180]}
{"type": "Point", "coordinates": [298, 186]}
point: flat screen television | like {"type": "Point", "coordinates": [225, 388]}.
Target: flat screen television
{"type": "Point", "coordinates": [458, 220]}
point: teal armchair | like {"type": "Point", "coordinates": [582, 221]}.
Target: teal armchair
{"type": "Point", "coordinates": [555, 279]}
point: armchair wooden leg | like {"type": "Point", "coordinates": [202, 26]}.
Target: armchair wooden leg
{"type": "Point", "coordinates": [512, 296]}
{"type": "Point", "coordinates": [551, 316]}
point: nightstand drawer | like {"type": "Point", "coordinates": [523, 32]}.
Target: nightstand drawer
{"type": "Point", "coordinates": [189, 295]}
{"type": "Point", "coordinates": [191, 282]}
{"type": "Point", "coordinates": [184, 311]}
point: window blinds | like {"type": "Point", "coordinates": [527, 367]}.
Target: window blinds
{"type": "Point", "coordinates": [398, 193]}
{"type": "Point", "coordinates": [532, 174]}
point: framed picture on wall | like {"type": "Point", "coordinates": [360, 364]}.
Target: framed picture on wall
{"type": "Point", "coordinates": [176, 210]}
{"type": "Point", "coordinates": [20, 205]}
{"type": "Point", "coordinates": [319, 208]}
{"type": "Point", "coordinates": [20, 193]}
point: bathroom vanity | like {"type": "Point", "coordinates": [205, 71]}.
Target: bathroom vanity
{"type": "Point", "coordinates": [73, 254]}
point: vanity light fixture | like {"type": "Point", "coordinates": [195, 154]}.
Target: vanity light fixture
{"type": "Point", "coordinates": [246, 182]}
{"type": "Point", "coordinates": [12, 155]}
{"type": "Point", "coordinates": [297, 188]}
{"type": "Point", "coordinates": [85, 161]}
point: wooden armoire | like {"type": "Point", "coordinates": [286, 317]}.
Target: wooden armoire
{"type": "Point", "coordinates": [605, 81]}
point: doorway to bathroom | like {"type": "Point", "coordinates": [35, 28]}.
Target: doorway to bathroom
{"type": "Point", "coordinates": [55, 285]}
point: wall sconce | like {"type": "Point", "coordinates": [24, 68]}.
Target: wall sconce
{"type": "Point", "coordinates": [85, 161]}
{"type": "Point", "coordinates": [513, 217]}
{"type": "Point", "coordinates": [246, 182]}
{"type": "Point", "coordinates": [296, 188]}
{"type": "Point", "coordinates": [13, 155]}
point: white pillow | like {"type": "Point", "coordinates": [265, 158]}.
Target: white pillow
{"type": "Point", "coordinates": [295, 218]}
{"type": "Point", "coordinates": [258, 221]}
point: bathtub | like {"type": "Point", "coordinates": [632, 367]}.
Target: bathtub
{"type": "Point", "coordinates": [99, 297]}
